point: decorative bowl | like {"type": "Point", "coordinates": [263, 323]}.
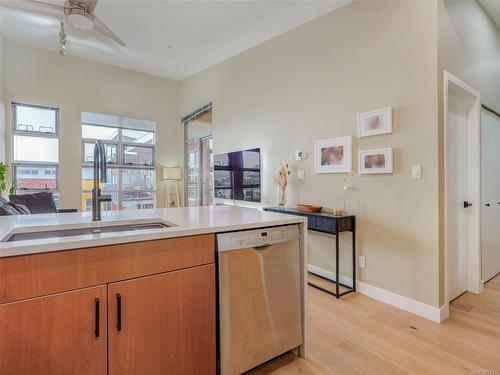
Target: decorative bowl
{"type": "Point", "coordinates": [308, 207]}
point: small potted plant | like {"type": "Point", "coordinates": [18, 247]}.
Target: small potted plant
{"type": "Point", "coordinates": [4, 186]}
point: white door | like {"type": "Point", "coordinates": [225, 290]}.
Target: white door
{"type": "Point", "coordinates": [490, 195]}
{"type": "Point", "coordinates": [456, 182]}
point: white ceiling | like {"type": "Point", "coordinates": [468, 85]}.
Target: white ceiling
{"type": "Point", "coordinates": [200, 33]}
{"type": "Point", "coordinates": [492, 7]}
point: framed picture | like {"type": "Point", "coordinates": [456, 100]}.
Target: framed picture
{"type": "Point", "coordinates": [375, 122]}
{"type": "Point", "coordinates": [375, 161]}
{"type": "Point", "coordinates": [333, 155]}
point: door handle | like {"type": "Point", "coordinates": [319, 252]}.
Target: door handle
{"type": "Point", "coordinates": [118, 312]}
{"type": "Point", "coordinates": [467, 204]}
{"type": "Point", "coordinates": [97, 317]}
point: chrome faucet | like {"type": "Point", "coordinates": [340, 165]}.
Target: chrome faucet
{"type": "Point", "coordinates": [99, 176]}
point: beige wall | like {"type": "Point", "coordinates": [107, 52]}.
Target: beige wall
{"type": "Point", "coordinates": [469, 48]}
{"type": "Point", "coordinates": [309, 84]}
{"type": "Point", "coordinates": [76, 85]}
{"type": "Point", "coordinates": [2, 100]}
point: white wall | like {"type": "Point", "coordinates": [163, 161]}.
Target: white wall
{"type": "Point", "coordinates": [469, 48]}
{"type": "Point", "coordinates": [309, 84]}
{"type": "Point", "coordinates": [76, 85]}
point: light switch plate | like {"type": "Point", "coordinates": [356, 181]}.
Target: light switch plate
{"type": "Point", "coordinates": [361, 261]}
{"type": "Point", "coordinates": [416, 171]}
{"type": "Point", "coordinates": [301, 175]}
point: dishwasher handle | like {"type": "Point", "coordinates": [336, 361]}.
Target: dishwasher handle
{"type": "Point", "coordinates": [263, 248]}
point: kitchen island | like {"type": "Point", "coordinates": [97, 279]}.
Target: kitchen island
{"type": "Point", "coordinates": [118, 302]}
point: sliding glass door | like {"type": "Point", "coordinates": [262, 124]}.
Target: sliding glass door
{"type": "Point", "coordinates": [199, 159]}
{"type": "Point", "coordinates": [192, 171]}
{"type": "Point", "coordinates": [200, 172]}
{"type": "Point", "coordinates": [207, 171]}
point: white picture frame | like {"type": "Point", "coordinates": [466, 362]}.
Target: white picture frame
{"type": "Point", "coordinates": [376, 161]}
{"type": "Point", "coordinates": [375, 122]}
{"type": "Point", "coordinates": [333, 155]}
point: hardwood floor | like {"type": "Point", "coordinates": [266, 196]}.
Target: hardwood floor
{"type": "Point", "coordinates": [327, 284]}
{"type": "Point", "coordinates": [358, 335]}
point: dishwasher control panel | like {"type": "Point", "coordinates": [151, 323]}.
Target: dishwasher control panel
{"type": "Point", "coordinates": [264, 238]}
{"type": "Point", "coordinates": [256, 237]}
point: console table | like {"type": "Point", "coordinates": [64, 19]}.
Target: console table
{"type": "Point", "coordinates": [329, 223]}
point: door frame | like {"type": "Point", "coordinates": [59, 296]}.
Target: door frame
{"type": "Point", "coordinates": [199, 165]}
{"type": "Point", "coordinates": [473, 99]}
{"type": "Point", "coordinates": [185, 122]}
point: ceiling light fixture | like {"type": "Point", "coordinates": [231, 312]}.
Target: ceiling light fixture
{"type": "Point", "coordinates": [62, 40]}
{"type": "Point", "coordinates": [80, 13]}
{"type": "Point", "coordinates": [78, 18]}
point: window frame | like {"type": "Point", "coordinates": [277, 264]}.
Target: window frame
{"type": "Point", "coordinates": [92, 141]}
{"type": "Point", "coordinates": [14, 105]}
{"type": "Point", "coordinates": [120, 161]}
{"type": "Point", "coordinates": [141, 145]}
{"type": "Point", "coordinates": [25, 133]}
{"type": "Point", "coordinates": [36, 165]}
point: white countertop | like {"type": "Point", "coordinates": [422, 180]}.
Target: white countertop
{"type": "Point", "coordinates": [185, 221]}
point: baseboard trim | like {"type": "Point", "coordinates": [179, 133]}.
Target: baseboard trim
{"type": "Point", "coordinates": [435, 314]}
{"type": "Point", "coordinates": [444, 313]}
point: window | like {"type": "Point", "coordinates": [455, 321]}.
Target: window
{"type": "Point", "coordinates": [130, 151]}
{"type": "Point", "coordinates": [35, 148]}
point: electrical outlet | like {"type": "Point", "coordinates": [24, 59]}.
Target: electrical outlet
{"type": "Point", "coordinates": [361, 261]}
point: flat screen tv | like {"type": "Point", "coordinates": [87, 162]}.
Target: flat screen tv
{"type": "Point", "coordinates": [237, 175]}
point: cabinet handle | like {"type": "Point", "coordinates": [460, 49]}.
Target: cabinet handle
{"type": "Point", "coordinates": [487, 204]}
{"type": "Point", "coordinates": [97, 317]}
{"type": "Point", "coordinates": [118, 312]}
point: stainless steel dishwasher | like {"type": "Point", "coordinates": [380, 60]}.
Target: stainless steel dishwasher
{"type": "Point", "coordinates": [259, 296]}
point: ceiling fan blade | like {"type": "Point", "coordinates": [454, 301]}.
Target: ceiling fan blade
{"type": "Point", "coordinates": [46, 5]}
{"type": "Point", "coordinates": [101, 27]}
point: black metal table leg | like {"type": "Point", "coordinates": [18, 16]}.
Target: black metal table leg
{"type": "Point", "coordinates": [337, 258]}
{"type": "Point", "coordinates": [328, 223]}
{"type": "Point", "coordinates": [353, 254]}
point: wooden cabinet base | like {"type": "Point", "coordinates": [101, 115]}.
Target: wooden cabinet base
{"type": "Point", "coordinates": [163, 324]}
{"type": "Point", "coordinates": [54, 310]}
{"type": "Point", "coordinates": [55, 335]}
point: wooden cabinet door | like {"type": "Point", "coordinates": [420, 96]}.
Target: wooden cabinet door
{"type": "Point", "coordinates": [163, 324]}
{"type": "Point", "coordinates": [55, 334]}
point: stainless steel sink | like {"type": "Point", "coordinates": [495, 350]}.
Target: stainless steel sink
{"type": "Point", "coordinates": [82, 231]}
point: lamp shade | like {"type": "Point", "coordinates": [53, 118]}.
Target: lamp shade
{"type": "Point", "coordinates": [172, 173]}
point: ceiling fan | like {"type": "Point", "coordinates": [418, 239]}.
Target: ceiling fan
{"type": "Point", "coordinates": [81, 14]}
